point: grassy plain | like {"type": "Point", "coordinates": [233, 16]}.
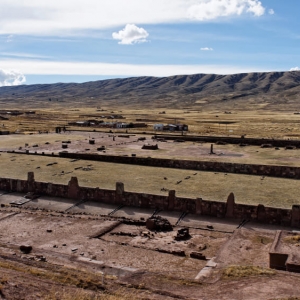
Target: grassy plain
{"type": "Point", "coordinates": [277, 192]}
{"type": "Point", "coordinates": [254, 123]}
{"type": "Point", "coordinates": [207, 185]}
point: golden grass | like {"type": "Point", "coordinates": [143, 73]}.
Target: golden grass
{"type": "Point", "coordinates": [61, 275]}
{"type": "Point", "coordinates": [293, 239]}
{"type": "Point", "coordinates": [235, 272]}
{"type": "Point", "coordinates": [276, 192]}
{"type": "Point", "coordinates": [258, 123]}
{"type": "Point", "coordinates": [88, 286]}
{"type": "Point", "coordinates": [259, 239]}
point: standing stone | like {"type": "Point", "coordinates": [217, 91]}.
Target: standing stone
{"type": "Point", "coordinates": [30, 182]}
{"type": "Point", "coordinates": [171, 199]}
{"type": "Point", "coordinates": [73, 188]}
{"type": "Point", "coordinates": [230, 206]}
{"type": "Point", "coordinates": [119, 192]}
{"type": "Point", "coordinates": [119, 188]}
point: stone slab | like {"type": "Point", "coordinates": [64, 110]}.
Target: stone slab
{"type": "Point", "coordinates": [7, 198]}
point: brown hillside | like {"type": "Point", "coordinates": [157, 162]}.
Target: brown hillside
{"type": "Point", "coordinates": [280, 89]}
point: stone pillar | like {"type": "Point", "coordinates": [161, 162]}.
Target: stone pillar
{"type": "Point", "coordinates": [73, 188]}
{"type": "Point", "coordinates": [261, 213]}
{"type": "Point", "coordinates": [119, 192]}
{"type": "Point", "coordinates": [171, 199]}
{"type": "Point", "coordinates": [230, 206]}
{"type": "Point", "coordinates": [30, 182]}
{"type": "Point", "coordinates": [295, 222]}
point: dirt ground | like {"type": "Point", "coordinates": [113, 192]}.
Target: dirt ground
{"type": "Point", "coordinates": [70, 250]}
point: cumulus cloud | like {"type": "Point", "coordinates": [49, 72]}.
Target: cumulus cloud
{"type": "Point", "coordinates": [206, 49]}
{"type": "Point", "coordinates": [11, 77]}
{"type": "Point", "coordinates": [68, 16]}
{"type": "Point", "coordinates": [295, 69]}
{"type": "Point", "coordinates": [271, 11]}
{"type": "Point", "coordinates": [131, 34]}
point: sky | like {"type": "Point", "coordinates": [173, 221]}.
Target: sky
{"type": "Point", "coordinates": [53, 41]}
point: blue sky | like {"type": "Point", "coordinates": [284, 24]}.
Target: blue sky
{"type": "Point", "coordinates": [77, 41]}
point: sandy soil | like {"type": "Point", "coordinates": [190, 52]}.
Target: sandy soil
{"type": "Point", "coordinates": [131, 257]}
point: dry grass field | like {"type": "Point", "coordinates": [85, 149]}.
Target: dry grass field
{"type": "Point", "coordinates": [276, 192]}
{"type": "Point", "coordinates": [252, 123]}
{"type": "Point", "coordinates": [247, 189]}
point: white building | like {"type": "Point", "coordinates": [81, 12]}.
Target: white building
{"type": "Point", "coordinates": [158, 126]}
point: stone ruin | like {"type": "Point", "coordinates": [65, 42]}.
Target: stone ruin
{"type": "Point", "coordinates": [158, 223]}
{"type": "Point", "coordinates": [182, 234]}
{"type": "Point", "coordinates": [284, 251]}
{"type": "Point", "coordinates": [150, 147]}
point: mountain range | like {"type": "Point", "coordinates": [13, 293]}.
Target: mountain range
{"type": "Point", "coordinates": [270, 89]}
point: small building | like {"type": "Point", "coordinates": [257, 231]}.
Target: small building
{"type": "Point", "coordinates": [31, 112]}
{"type": "Point", "coordinates": [170, 127]}
{"type": "Point", "coordinates": [79, 123]}
{"type": "Point", "coordinates": [122, 125]}
{"type": "Point", "coordinates": [182, 127]}
{"type": "Point", "coordinates": [158, 127]}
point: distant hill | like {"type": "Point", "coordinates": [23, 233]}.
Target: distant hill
{"type": "Point", "coordinates": [272, 90]}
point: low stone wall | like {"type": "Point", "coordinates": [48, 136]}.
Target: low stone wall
{"type": "Point", "coordinates": [228, 209]}
{"type": "Point", "coordinates": [249, 169]}
{"type": "Point", "coordinates": [231, 140]}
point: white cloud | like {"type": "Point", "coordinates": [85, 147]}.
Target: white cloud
{"type": "Point", "coordinates": [271, 11]}
{"type": "Point", "coordinates": [39, 67]}
{"type": "Point", "coordinates": [11, 77]}
{"type": "Point", "coordinates": [213, 9]}
{"type": "Point", "coordinates": [131, 34]}
{"type": "Point", "coordinates": [67, 17]}
{"type": "Point", "coordinates": [295, 69]}
{"type": "Point", "coordinates": [206, 49]}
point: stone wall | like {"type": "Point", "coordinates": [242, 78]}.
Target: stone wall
{"type": "Point", "coordinates": [228, 209]}
{"type": "Point", "coordinates": [249, 169]}
{"type": "Point", "coordinates": [231, 140]}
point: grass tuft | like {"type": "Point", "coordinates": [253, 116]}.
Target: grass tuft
{"type": "Point", "coordinates": [292, 239]}
{"type": "Point", "coordinates": [246, 271]}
